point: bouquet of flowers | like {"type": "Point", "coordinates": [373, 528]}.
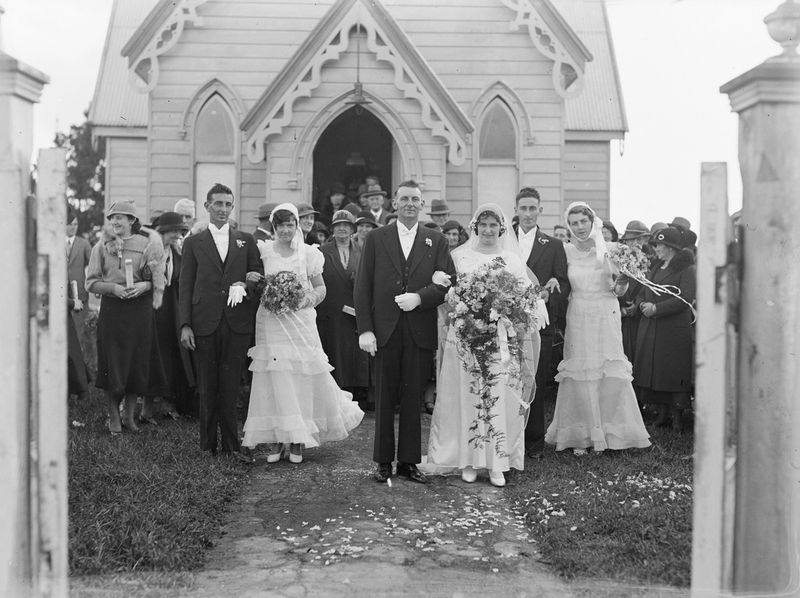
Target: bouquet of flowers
{"type": "Point", "coordinates": [631, 261]}
{"type": "Point", "coordinates": [492, 309]}
{"type": "Point", "coordinates": [282, 292]}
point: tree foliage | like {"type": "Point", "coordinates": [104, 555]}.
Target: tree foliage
{"type": "Point", "coordinates": [86, 173]}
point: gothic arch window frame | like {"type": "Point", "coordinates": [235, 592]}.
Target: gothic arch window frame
{"type": "Point", "coordinates": [187, 129]}
{"type": "Point", "coordinates": [301, 171]}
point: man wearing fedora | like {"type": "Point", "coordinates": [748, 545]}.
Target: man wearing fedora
{"type": "Point", "coordinates": [263, 231]}
{"type": "Point", "coordinates": [217, 313]}
{"type": "Point", "coordinates": [374, 198]}
{"type": "Point", "coordinates": [439, 212]}
{"type": "Point", "coordinates": [365, 224]}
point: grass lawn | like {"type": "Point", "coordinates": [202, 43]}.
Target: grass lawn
{"type": "Point", "coordinates": [148, 501]}
{"type": "Point", "coordinates": [621, 515]}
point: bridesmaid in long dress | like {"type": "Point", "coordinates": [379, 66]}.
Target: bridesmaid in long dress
{"type": "Point", "coordinates": [596, 406]}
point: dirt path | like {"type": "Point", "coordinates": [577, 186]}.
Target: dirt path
{"type": "Point", "coordinates": [326, 528]}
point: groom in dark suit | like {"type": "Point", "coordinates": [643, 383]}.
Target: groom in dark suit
{"type": "Point", "coordinates": [396, 302]}
{"type": "Point", "coordinates": [545, 256]}
{"type": "Point", "coordinates": [213, 325]}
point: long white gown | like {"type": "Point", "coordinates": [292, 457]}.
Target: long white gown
{"type": "Point", "coordinates": [596, 406]}
{"type": "Point", "coordinates": [293, 396]}
{"type": "Point", "coordinates": [449, 446]}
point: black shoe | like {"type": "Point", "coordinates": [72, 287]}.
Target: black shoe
{"type": "Point", "coordinates": [410, 471]}
{"type": "Point", "coordinates": [535, 455]}
{"type": "Point", "coordinates": [242, 457]}
{"type": "Point", "coordinates": [383, 473]}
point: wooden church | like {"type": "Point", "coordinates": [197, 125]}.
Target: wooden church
{"type": "Point", "coordinates": [280, 99]}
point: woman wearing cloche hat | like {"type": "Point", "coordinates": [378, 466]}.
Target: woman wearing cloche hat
{"type": "Point", "coordinates": [127, 268]}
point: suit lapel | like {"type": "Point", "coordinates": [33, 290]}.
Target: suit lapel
{"type": "Point", "coordinates": [233, 250]}
{"type": "Point", "coordinates": [417, 250]}
{"type": "Point", "coordinates": [337, 262]}
{"type": "Point", "coordinates": [206, 243]}
{"type": "Point", "coordinates": [391, 242]}
{"type": "Point", "coordinates": [537, 250]}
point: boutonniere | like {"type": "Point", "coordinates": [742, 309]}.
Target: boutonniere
{"type": "Point", "coordinates": [543, 241]}
{"type": "Point", "coordinates": [428, 242]}
{"type": "Point", "coordinates": [240, 243]}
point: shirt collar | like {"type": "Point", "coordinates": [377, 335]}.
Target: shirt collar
{"type": "Point", "coordinates": [402, 230]}
{"type": "Point", "coordinates": [71, 239]}
{"type": "Point", "coordinates": [219, 231]}
{"type": "Point", "coordinates": [530, 234]}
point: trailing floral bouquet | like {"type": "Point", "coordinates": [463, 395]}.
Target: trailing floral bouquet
{"type": "Point", "coordinates": [631, 261]}
{"type": "Point", "coordinates": [281, 292]}
{"type": "Point", "coordinates": [492, 310]}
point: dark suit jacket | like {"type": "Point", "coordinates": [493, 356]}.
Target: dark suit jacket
{"type": "Point", "coordinates": [548, 260]}
{"type": "Point", "coordinates": [260, 235]}
{"type": "Point", "coordinates": [77, 260]}
{"type": "Point", "coordinates": [380, 279]}
{"type": "Point", "coordinates": [205, 280]}
{"type": "Point", "coordinates": [339, 281]}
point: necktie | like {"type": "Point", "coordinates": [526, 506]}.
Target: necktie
{"type": "Point", "coordinates": [168, 269]}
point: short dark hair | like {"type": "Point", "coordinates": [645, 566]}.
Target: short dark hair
{"type": "Point", "coordinates": [218, 188]}
{"type": "Point", "coordinates": [281, 216]}
{"type": "Point", "coordinates": [408, 183]}
{"type": "Point", "coordinates": [528, 192]}
{"type": "Point", "coordinates": [581, 210]}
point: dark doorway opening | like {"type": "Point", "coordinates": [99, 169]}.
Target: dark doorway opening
{"type": "Point", "coordinates": [354, 146]}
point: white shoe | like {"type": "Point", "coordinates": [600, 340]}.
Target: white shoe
{"type": "Point", "coordinates": [295, 453]}
{"type": "Point", "coordinates": [496, 478]}
{"type": "Point", "coordinates": [275, 453]}
{"type": "Point", "coordinates": [469, 475]}
{"type": "Point", "coordinates": [579, 452]}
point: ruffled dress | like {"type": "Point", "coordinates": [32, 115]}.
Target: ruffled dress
{"type": "Point", "coordinates": [449, 444]}
{"type": "Point", "coordinates": [596, 406]}
{"type": "Point", "coordinates": [293, 396]}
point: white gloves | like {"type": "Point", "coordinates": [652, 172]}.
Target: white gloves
{"type": "Point", "coordinates": [408, 301]}
{"type": "Point", "coordinates": [367, 342]}
{"type": "Point", "coordinates": [236, 294]}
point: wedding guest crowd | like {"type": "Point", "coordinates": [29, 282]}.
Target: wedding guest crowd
{"type": "Point", "coordinates": [360, 321]}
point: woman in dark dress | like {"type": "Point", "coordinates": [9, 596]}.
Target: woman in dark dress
{"type": "Point", "coordinates": [336, 319]}
{"type": "Point", "coordinates": [665, 339]}
{"type": "Point", "coordinates": [127, 268]}
{"type": "Point", "coordinates": [177, 386]}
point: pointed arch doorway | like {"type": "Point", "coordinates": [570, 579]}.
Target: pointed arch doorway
{"type": "Point", "coordinates": [355, 145]}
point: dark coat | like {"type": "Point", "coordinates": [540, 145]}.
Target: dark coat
{"type": "Point", "coordinates": [77, 260]}
{"type": "Point", "coordinates": [665, 342]}
{"type": "Point", "coordinates": [205, 280]}
{"type": "Point", "coordinates": [381, 275]}
{"type": "Point", "coordinates": [630, 323]}
{"type": "Point", "coordinates": [548, 260]}
{"type": "Point", "coordinates": [337, 329]}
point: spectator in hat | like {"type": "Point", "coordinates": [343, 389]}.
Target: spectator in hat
{"type": "Point", "coordinates": [365, 224]}
{"type": "Point", "coordinates": [319, 235]}
{"type": "Point", "coordinates": [307, 216]}
{"type": "Point", "coordinates": [439, 211]}
{"type": "Point", "coordinates": [177, 388]}
{"type": "Point", "coordinates": [433, 226]}
{"type": "Point", "coordinates": [455, 233]}
{"type": "Point", "coordinates": [561, 233]}
{"type": "Point", "coordinates": [263, 231]}
{"type": "Point", "coordinates": [636, 235]}
{"type": "Point", "coordinates": [127, 268]}
{"type": "Point", "coordinates": [390, 217]}
{"type": "Point", "coordinates": [663, 369]}
{"type": "Point", "coordinates": [336, 321]}
{"type": "Point", "coordinates": [374, 197]}
{"type": "Point", "coordinates": [330, 204]}
{"type": "Point", "coordinates": [610, 233]}
{"type": "Point", "coordinates": [681, 223]}
{"type": "Point", "coordinates": [353, 208]}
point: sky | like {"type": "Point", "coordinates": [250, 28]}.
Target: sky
{"type": "Point", "coordinates": [672, 55]}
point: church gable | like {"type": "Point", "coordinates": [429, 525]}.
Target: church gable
{"type": "Point", "coordinates": [389, 44]}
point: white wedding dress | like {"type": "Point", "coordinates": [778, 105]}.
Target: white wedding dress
{"type": "Point", "coordinates": [449, 445]}
{"type": "Point", "coordinates": [293, 396]}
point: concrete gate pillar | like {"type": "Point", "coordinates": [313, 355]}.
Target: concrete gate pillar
{"type": "Point", "coordinates": [766, 548]}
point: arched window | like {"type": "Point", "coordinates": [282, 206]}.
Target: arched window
{"type": "Point", "coordinates": [498, 173]}
{"type": "Point", "coordinates": [215, 142]}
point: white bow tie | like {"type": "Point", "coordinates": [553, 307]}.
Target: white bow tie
{"type": "Point", "coordinates": [219, 233]}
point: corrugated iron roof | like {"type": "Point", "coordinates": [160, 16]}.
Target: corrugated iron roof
{"type": "Point", "coordinates": [116, 103]}
{"type": "Point", "coordinates": [600, 106]}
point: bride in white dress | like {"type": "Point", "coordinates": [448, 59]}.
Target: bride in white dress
{"type": "Point", "coordinates": [294, 399]}
{"type": "Point", "coordinates": [451, 444]}
{"type": "Point", "coordinates": [596, 406]}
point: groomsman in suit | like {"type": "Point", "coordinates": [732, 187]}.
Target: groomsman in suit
{"type": "Point", "coordinates": [545, 256]}
{"type": "Point", "coordinates": [396, 302]}
{"type": "Point", "coordinates": [78, 253]}
{"type": "Point", "coordinates": [213, 324]}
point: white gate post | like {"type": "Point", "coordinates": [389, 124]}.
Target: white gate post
{"type": "Point", "coordinates": [767, 520]}
{"type": "Point", "coordinates": [20, 87]}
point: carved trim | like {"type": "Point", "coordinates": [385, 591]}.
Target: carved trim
{"type": "Point", "coordinates": [309, 78]}
{"type": "Point", "coordinates": [545, 40]}
{"type": "Point", "coordinates": [303, 157]}
{"type": "Point", "coordinates": [512, 99]}
{"type": "Point", "coordinates": [144, 70]}
{"type": "Point", "coordinates": [202, 95]}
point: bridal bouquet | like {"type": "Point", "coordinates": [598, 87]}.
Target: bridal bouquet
{"type": "Point", "coordinates": [631, 261]}
{"type": "Point", "coordinates": [282, 292]}
{"type": "Point", "coordinates": [492, 309]}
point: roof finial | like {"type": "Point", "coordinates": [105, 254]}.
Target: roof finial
{"type": "Point", "coordinates": [783, 26]}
